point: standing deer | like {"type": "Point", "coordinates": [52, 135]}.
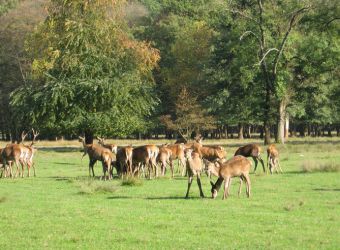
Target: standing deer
{"type": "Point", "coordinates": [164, 157]}
{"type": "Point", "coordinates": [112, 147]}
{"type": "Point", "coordinates": [251, 150]}
{"type": "Point", "coordinates": [124, 160]}
{"type": "Point", "coordinates": [238, 166]}
{"type": "Point", "coordinates": [194, 166]}
{"type": "Point", "coordinates": [98, 153]}
{"type": "Point", "coordinates": [273, 159]}
{"type": "Point", "coordinates": [177, 152]}
{"type": "Point", "coordinates": [17, 154]}
{"type": "Point", "coordinates": [210, 153]}
{"type": "Point", "coordinates": [31, 150]}
{"type": "Point", "coordinates": [145, 156]}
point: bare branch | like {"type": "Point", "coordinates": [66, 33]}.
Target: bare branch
{"type": "Point", "coordinates": [292, 22]}
{"type": "Point", "coordinates": [249, 32]}
{"type": "Point", "coordinates": [264, 56]}
{"type": "Point", "coordinates": [332, 20]}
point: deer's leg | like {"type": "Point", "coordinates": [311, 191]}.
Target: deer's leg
{"type": "Point", "coordinates": [171, 168]}
{"type": "Point", "coordinates": [262, 163]}
{"type": "Point", "coordinates": [248, 184]}
{"type": "Point", "coordinates": [226, 187]}
{"type": "Point", "coordinates": [256, 161]}
{"type": "Point", "coordinates": [240, 188]}
{"type": "Point", "coordinates": [199, 185]}
{"type": "Point", "coordinates": [229, 185]}
{"type": "Point", "coordinates": [91, 164]}
{"type": "Point", "coordinates": [190, 177]}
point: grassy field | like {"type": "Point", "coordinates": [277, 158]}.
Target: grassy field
{"type": "Point", "coordinates": [63, 208]}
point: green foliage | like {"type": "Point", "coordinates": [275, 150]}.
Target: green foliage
{"type": "Point", "coordinates": [88, 73]}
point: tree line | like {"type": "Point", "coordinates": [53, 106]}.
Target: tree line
{"type": "Point", "coordinates": [170, 67]}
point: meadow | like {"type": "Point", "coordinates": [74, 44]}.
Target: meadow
{"type": "Point", "coordinates": [62, 208]}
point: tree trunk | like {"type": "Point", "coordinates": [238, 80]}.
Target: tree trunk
{"type": "Point", "coordinates": [280, 138]}
{"type": "Point", "coordinates": [226, 132]}
{"type": "Point", "coordinates": [240, 131]}
{"type": "Point", "coordinates": [287, 127]}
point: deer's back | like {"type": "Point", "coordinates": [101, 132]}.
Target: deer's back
{"type": "Point", "coordinates": [236, 166]}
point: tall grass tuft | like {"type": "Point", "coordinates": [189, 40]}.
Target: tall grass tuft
{"type": "Point", "coordinates": [131, 181]}
{"type": "Point", "coordinates": [95, 186]}
{"type": "Point", "coordinates": [315, 166]}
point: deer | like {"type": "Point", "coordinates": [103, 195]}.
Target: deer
{"type": "Point", "coordinates": [112, 147]}
{"type": "Point", "coordinates": [98, 153]}
{"type": "Point", "coordinates": [238, 166]}
{"type": "Point", "coordinates": [210, 153]}
{"type": "Point", "coordinates": [19, 154]}
{"type": "Point", "coordinates": [211, 168]}
{"type": "Point", "coordinates": [164, 157]}
{"type": "Point", "coordinates": [31, 150]}
{"type": "Point", "coordinates": [273, 159]}
{"type": "Point", "coordinates": [177, 152]}
{"type": "Point", "coordinates": [194, 166]}
{"type": "Point", "coordinates": [251, 150]}
{"type": "Point", "coordinates": [124, 160]}
{"type": "Point", "coordinates": [145, 156]}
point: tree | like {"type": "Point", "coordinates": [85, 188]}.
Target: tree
{"type": "Point", "coordinates": [88, 73]}
{"type": "Point", "coordinates": [189, 116]}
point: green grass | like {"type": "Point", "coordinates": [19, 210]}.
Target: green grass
{"type": "Point", "coordinates": [63, 208]}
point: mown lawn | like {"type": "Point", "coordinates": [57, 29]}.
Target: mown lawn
{"type": "Point", "coordinates": [62, 208]}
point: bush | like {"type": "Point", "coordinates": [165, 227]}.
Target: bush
{"type": "Point", "coordinates": [313, 166]}
{"type": "Point", "coordinates": [94, 186]}
{"type": "Point", "coordinates": [131, 181]}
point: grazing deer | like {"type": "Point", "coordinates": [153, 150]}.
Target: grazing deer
{"type": "Point", "coordinates": [124, 160]}
{"type": "Point", "coordinates": [177, 152]}
{"type": "Point", "coordinates": [273, 159]}
{"type": "Point", "coordinates": [112, 147]}
{"type": "Point", "coordinates": [145, 156]}
{"type": "Point", "coordinates": [98, 153]}
{"type": "Point", "coordinates": [194, 166]}
{"type": "Point", "coordinates": [238, 166]}
{"type": "Point", "coordinates": [251, 150]}
{"type": "Point", "coordinates": [164, 156]}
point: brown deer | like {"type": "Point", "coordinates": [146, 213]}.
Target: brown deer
{"type": "Point", "coordinates": [145, 156]}
{"type": "Point", "coordinates": [211, 168]}
{"type": "Point", "coordinates": [98, 153]}
{"type": "Point", "coordinates": [124, 160]}
{"type": "Point", "coordinates": [112, 147]}
{"type": "Point", "coordinates": [238, 166]}
{"type": "Point", "coordinates": [177, 152]}
{"type": "Point", "coordinates": [164, 156]}
{"type": "Point", "coordinates": [210, 153]}
{"type": "Point", "coordinates": [17, 153]}
{"type": "Point", "coordinates": [251, 150]}
{"type": "Point", "coordinates": [273, 159]}
{"type": "Point", "coordinates": [31, 150]}
{"type": "Point", "coordinates": [194, 166]}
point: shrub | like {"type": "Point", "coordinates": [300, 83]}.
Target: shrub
{"type": "Point", "coordinates": [94, 186]}
{"type": "Point", "coordinates": [131, 181]}
{"type": "Point", "coordinates": [314, 166]}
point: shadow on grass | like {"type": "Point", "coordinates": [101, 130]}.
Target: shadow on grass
{"type": "Point", "coordinates": [60, 149]}
{"type": "Point", "coordinates": [155, 198]}
{"type": "Point", "coordinates": [65, 163]}
{"type": "Point", "coordinates": [327, 189]}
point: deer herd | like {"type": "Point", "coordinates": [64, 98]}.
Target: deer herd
{"type": "Point", "coordinates": [194, 158]}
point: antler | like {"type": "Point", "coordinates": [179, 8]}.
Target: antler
{"type": "Point", "coordinates": [23, 136]}
{"type": "Point", "coordinates": [35, 134]}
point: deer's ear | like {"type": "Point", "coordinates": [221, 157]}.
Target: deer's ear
{"type": "Point", "coordinates": [212, 184]}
